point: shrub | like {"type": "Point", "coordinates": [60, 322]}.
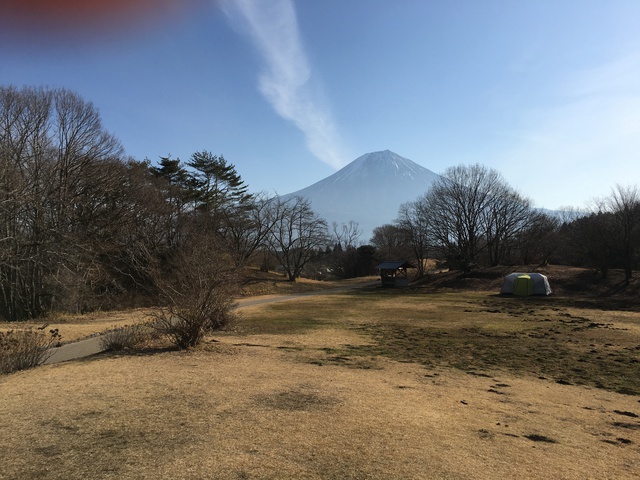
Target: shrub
{"type": "Point", "coordinates": [186, 327]}
{"type": "Point", "coordinates": [21, 349]}
{"type": "Point", "coordinates": [125, 338]}
{"type": "Point", "coordinates": [198, 291]}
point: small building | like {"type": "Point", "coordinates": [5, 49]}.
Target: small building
{"type": "Point", "coordinates": [394, 274]}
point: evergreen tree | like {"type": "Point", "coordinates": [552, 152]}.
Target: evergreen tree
{"type": "Point", "coordinates": [218, 190]}
{"type": "Point", "coordinates": [174, 186]}
{"type": "Point", "coordinates": [170, 170]}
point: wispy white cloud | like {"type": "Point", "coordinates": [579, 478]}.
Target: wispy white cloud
{"type": "Point", "coordinates": [286, 78]}
{"type": "Point", "coordinates": [583, 144]}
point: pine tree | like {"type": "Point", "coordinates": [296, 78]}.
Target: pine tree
{"type": "Point", "coordinates": [175, 189]}
{"type": "Point", "coordinates": [219, 192]}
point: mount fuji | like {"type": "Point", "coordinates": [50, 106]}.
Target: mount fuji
{"type": "Point", "coordinates": [369, 190]}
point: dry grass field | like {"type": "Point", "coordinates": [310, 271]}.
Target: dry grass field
{"type": "Point", "coordinates": [77, 327]}
{"type": "Point", "coordinates": [374, 384]}
{"type": "Point", "coordinates": [73, 327]}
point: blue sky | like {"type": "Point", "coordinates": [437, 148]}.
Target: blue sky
{"type": "Point", "coordinates": [545, 92]}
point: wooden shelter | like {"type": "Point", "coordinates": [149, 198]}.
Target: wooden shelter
{"type": "Point", "coordinates": [394, 274]}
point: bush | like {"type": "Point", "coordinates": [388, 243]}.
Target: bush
{"type": "Point", "coordinates": [186, 326]}
{"type": "Point", "coordinates": [125, 338]}
{"type": "Point", "coordinates": [25, 348]}
{"type": "Point", "coordinates": [198, 291]}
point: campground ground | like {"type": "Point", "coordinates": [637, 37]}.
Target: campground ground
{"type": "Point", "coordinates": [442, 380]}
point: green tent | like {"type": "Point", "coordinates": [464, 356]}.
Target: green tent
{"type": "Point", "coordinates": [523, 286]}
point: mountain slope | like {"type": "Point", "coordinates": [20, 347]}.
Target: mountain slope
{"type": "Point", "coordinates": [369, 190]}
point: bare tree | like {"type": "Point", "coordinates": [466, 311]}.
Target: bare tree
{"type": "Point", "coordinates": [345, 259]}
{"type": "Point", "coordinates": [84, 199]}
{"type": "Point", "coordinates": [414, 219]}
{"type": "Point", "coordinates": [197, 290]}
{"type": "Point", "coordinates": [79, 140]}
{"type": "Point", "coordinates": [539, 240]}
{"type": "Point", "coordinates": [624, 205]}
{"type": "Point", "coordinates": [49, 140]}
{"type": "Point", "coordinates": [459, 203]}
{"type": "Point", "coordinates": [391, 242]}
{"type": "Point", "coordinates": [25, 149]}
{"type": "Point", "coordinates": [249, 227]}
{"type": "Point", "coordinates": [609, 236]}
{"type": "Point", "coordinates": [298, 235]}
{"type": "Point", "coordinates": [506, 216]}
{"type": "Point", "coordinates": [587, 241]}
{"type": "Point", "coordinates": [347, 235]}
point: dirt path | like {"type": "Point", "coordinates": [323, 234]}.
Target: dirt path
{"type": "Point", "coordinates": [260, 300]}
{"type": "Point", "coordinates": [91, 346]}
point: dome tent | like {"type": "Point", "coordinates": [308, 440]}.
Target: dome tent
{"type": "Point", "coordinates": [524, 284]}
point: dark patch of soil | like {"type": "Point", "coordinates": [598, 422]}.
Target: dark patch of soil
{"type": "Point", "coordinates": [626, 414]}
{"type": "Point", "coordinates": [540, 438]}
{"type": "Point", "coordinates": [297, 400]}
{"type": "Point", "coordinates": [628, 426]}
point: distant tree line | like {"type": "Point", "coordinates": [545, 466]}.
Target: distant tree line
{"type": "Point", "coordinates": [63, 201]}
{"type": "Point", "coordinates": [83, 227]}
{"type": "Point", "coordinates": [606, 238]}
{"type": "Point", "coordinates": [471, 218]}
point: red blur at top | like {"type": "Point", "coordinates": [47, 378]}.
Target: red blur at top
{"type": "Point", "coordinates": [83, 16]}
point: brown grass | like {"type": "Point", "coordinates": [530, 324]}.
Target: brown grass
{"type": "Point", "coordinates": [264, 412]}
{"type": "Point", "coordinates": [257, 283]}
{"type": "Point", "coordinates": [76, 327]}
{"type": "Point", "coordinates": [374, 384]}
{"type": "Point", "coordinates": [72, 327]}
{"type": "Point", "coordinates": [22, 348]}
